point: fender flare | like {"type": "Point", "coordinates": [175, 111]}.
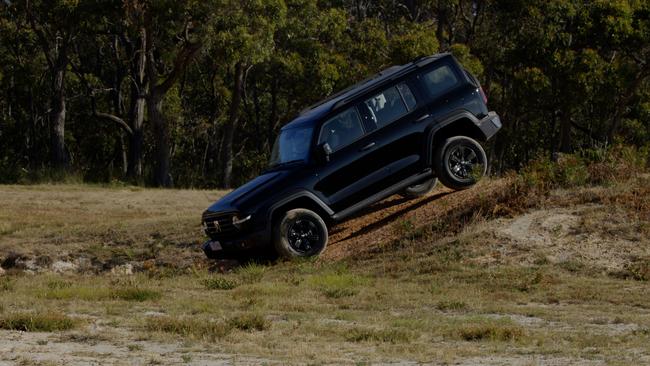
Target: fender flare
{"type": "Point", "coordinates": [294, 196]}
{"type": "Point", "coordinates": [447, 120]}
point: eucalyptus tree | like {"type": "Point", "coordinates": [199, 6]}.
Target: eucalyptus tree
{"type": "Point", "coordinates": [56, 24]}
{"type": "Point", "coordinates": [241, 37]}
{"type": "Point", "coordinates": [175, 32]}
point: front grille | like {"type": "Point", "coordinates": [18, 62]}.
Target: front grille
{"type": "Point", "coordinates": [219, 226]}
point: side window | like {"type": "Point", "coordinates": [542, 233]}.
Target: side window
{"type": "Point", "coordinates": [440, 80]}
{"type": "Point", "coordinates": [408, 96]}
{"type": "Point", "coordinates": [341, 129]}
{"type": "Point", "coordinates": [384, 108]}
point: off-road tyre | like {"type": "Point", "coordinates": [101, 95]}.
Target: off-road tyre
{"type": "Point", "coordinates": [420, 189]}
{"type": "Point", "coordinates": [459, 162]}
{"type": "Point", "coordinates": [299, 233]}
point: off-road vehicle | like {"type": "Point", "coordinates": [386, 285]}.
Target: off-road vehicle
{"type": "Point", "coordinates": [399, 131]}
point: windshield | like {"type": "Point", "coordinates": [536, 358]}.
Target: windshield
{"type": "Point", "coordinates": [291, 145]}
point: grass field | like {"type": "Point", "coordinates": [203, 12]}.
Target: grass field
{"type": "Point", "coordinates": [115, 276]}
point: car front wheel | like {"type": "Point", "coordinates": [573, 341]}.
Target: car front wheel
{"type": "Point", "coordinates": [460, 162]}
{"type": "Point", "coordinates": [300, 233]}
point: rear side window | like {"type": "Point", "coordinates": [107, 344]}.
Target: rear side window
{"type": "Point", "coordinates": [408, 96]}
{"type": "Point", "coordinates": [341, 129]}
{"type": "Point", "coordinates": [439, 80]}
{"type": "Point", "coordinates": [383, 108]}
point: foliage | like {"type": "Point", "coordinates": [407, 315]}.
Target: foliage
{"type": "Point", "coordinates": [565, 76]}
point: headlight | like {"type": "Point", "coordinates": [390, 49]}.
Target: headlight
{"type": "Point", "coordinates": [238, 221]}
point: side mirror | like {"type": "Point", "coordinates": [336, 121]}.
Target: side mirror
{"type": "Point", "coordinates": [323, 152]}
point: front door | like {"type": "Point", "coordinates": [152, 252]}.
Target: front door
{"type": "Point", "coordinates": [375, 146]}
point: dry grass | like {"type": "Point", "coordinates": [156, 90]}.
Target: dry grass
{"type": "Point", "coordinates": [466, 287]}
{"type": "Point", "coordinates": [200, 329]}
{"type": "Point", "coordinates": [97, 228]}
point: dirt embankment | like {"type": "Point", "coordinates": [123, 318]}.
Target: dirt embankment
{"type": "Point", "coordinates": [603, 228]}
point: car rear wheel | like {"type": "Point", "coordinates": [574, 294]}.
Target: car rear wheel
{"type": "Point", "coordinates": [420, 189]}
{"type": "Point", "coordinates": [459, 162]}
{"type": "Point", "coordinates": [300, 233]}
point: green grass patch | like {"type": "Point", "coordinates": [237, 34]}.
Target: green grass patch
{"type": "Point", "coordinates": [638, 269]}
{"type": "Point", "coordinates": [189, 327]}
{"type": "Point", "coordinates": [251, 272]}
{"type": "Point", "coordinates": [451, 305]}
{"type": "Point", "coordinates": [102, 294]}
{"type": "Point", "coordinates": [379, 335]}
{"type": "Point", "coordinates": [58, 284]}
{"type": "Point", "coordinates": [338, 285]}
{"type": "Point", "coordinates": [135, 294]}
{"type": "Point", "coordinates": [488, 332]}
{"type": "Point", "coordinates": [28, 322]}
{"type": "Point", "coordinates": [6, 284]}
{"type": "Point", "coordinates": [249, 322]}
{"type": "Point", "coordinates": [219, 283]}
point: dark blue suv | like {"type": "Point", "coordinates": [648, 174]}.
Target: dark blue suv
{"type": "Point", "coordinates": [399, 131]}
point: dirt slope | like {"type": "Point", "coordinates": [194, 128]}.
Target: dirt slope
{"type": "Point", "coordinates": [594, 227]}
{"type": "Point", "coordinates": [386, 220]}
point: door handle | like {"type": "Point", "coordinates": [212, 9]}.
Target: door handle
{"type": "Point", "coordinates": [368, 147]}
{"type": "Point", "coordinates": [423, 117]}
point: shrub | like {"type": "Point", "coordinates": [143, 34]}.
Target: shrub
{"type": "Point", "coordinates": [382, 335]}
{"type": "Point", "coordinates": [188, 327]}
{"type": "Point", "coordinates": [491, 332]}
{"type": "Point", "coordinates": [639, 269]}
{"type": "Point", "coordinates": [37, 322]}
{"type": "Point", "coordinates": [249, 322]}
{"type": "Point", "coordinates": [251, 272]}
{"type": "Point", "coordinates": [451, 305]}
{"type": "Point", "coordinates": [58, 284]}
{"type": "Point", "coordinates": [219, 283]}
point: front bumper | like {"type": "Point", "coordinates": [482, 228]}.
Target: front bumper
{"type": "Point", "coordinates": [490, 124]}
{"type": "Point", "coordinates": [246, 245]}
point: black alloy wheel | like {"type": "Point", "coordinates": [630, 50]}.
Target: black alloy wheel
{"type": "Point", "coordinates": [459, 162]}
{"type": "Point", "coordinates": [303, 235]}
{"type": "Point", "coordinates": [299, 233]}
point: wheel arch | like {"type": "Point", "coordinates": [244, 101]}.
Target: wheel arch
{"type": "Point", "coordinates": [305, 200]}
{"type": "Point", "coordinates": [459, 124]}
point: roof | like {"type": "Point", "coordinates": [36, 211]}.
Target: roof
{"type": "Point", "coordinates": [312, 114]}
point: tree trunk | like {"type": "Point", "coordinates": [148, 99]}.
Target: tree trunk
{"type": "Point", "coordinates": [138, 93]}
{"type": "Point", "coordinates": [441, 23]}
{"type": "Point", "coordinates": [57, 119]}
{"type": "Point", "coordinates": [136, 142]}
{"type": "Point", "coordinates": [162, 177]}
{"type": "Point", "coordinates": [231, 126]}
{"type": "Point", "coordinates": [624, 100]}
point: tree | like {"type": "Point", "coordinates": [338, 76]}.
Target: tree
{"type": "Point", "coordinates": [174, 35]}
{"type": "Point", "coordinates": [243, 35]}
{"type": "Point", "coordinates": [56, 24]}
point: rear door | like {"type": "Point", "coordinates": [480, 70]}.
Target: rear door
{"type": "Point", "coordinates": [390, 116]}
